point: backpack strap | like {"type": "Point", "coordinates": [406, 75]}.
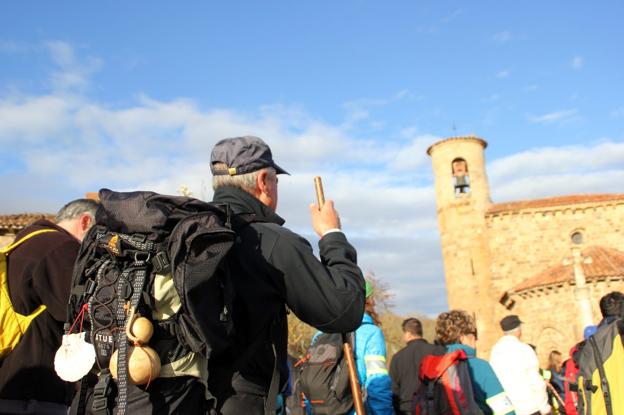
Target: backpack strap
{"type": "Point", "coordinates": [15, 244]}
{"type": "Point", "coordinates": [270, 406]}
{"type": "Point", "coordinates": [604, 382]}
{"type": "Point", "coordinates": [140, 275]}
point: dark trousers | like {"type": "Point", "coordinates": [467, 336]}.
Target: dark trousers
{"type": "Point", "coordinates": [12, 407]}
{"type": "Point", "coordinates": [164, 396]}
{"type": "Point", "coordinates": [243, 404]}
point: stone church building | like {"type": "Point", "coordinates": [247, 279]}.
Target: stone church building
{"type": "Point", "coordinates": [547, 260]}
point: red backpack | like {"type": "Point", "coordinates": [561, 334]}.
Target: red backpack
{"type": "Point", "coordinates": [446, 387]}
{"type": "Point", "coordinates": [570, 386]}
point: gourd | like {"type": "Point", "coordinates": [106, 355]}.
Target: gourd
{"type": "Point", "coordinates": [143, 362]}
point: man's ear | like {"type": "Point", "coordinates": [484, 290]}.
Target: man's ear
{"type": "Point", "coordinates": [85, 222]}
{"type": "Point", "coordinates": [261, 181]}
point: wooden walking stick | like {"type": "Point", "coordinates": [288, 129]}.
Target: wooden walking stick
{"type": "Point", "coordinates": [556, 394]}
{"type": "Point", "coordinates": [346, 346]}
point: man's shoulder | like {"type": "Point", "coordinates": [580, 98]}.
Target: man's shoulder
{"type": "Point", "coordinates": [277, 230]}
{"type": "Point", "coordinates": [422, 347]}
{"type": "Point", "coordinates": [47, 241]}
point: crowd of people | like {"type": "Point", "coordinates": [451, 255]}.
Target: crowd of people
{"type": "Point", "coordinates": [268, 272]}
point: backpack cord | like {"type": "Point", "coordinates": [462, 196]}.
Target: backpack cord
{"type": "Point", "coordinates": [603, 377]}
{"type": "Point", "coordinates": [270, 406]}
{"type": "Point", "coordinates": [137, 289]}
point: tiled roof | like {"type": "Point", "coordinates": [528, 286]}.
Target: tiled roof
{"type": "Point", "coordinates": [605, 262]}
{"type": "Point", "coordinates": [460, 138]}
{"type": "Point", "coordinates": [20, 221]}
{"type": "Point", "coordinates": [553, 202]}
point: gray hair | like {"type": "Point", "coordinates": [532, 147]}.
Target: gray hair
{"type": "Point", "coordinates": [513, 332]}
{"type": "Point", "coordinates": [246, 182]}
{"type": "Point", "coordinates": [76, 208]}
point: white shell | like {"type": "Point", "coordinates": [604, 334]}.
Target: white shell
{"type": "Point", "coordinates": [74, 358]}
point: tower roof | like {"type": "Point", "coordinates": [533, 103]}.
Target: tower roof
{"type": "Point", "coordinates": [605, 263]}
{"type": "Point", "coordinates": [459, 138]}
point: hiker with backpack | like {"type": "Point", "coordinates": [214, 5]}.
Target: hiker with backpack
{"type": "Point", "coordinates": [324, 378]}
{"type": "Point", "coordinates": [275, 268]}
{"type": "Point", "coordinates": [36, 283]}
{"type": "Point", "coordinates": [405, 365]}
{"type": "Point", "coordinates": [600, 361]}
{"type": "Point", "coordinates": [459, 382]}
{"type": "Point", "coordinates": [211, 285]}
{"type": "Point", "coordinates": [517, 367]}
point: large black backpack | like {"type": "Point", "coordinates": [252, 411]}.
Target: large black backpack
{"type": "Point", "coordinates": [165, 258]}
{"type": "Point", "coordinates": [324, 377]}
{"type": "Point", "coordinates": [446, 387]}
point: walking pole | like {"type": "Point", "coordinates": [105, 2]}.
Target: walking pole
{"type": "Point", "coordinates": [346, 346]}
{"type": "Point", "coordinates": [556, 394]}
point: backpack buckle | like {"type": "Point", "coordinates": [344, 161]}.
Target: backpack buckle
{"type": "Point", "coordinates": [161, 263]}
{"type": "Point", "coordinates": [101, 391]}
{"type": "Point", "coordinates": [138, 237]}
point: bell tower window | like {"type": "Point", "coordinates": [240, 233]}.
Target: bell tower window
{"type": "Point", "coordinates": [461, 179]}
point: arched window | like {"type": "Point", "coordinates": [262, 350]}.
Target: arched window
{"type": "Point", "coordinates": [461, 179]}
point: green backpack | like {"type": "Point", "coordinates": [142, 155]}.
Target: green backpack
{"type": "Point", "coordinates": [12, 324]}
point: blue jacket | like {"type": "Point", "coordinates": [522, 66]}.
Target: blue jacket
{"type": "Point", "coordinates": [370, 359]}
{"type": "Point", "coordinates": [488, 391]}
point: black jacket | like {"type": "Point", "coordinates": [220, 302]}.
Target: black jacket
{"type": "Point", "coordinates": [274, 268]}
{"type": "Point", "coordinates": [39, 272]}
{"type": "Point", "coordinates": [404, 370]}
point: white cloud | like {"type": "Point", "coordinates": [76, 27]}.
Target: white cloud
{"type": "Point", "coordinates": [551, 171]}
{"type": "Point", "coordinates": [578, 62]}
{"type": "Point", "coordinates": [10, 46]}
{"type": "Point", "coordinates": [413, 155]}
{"type": "Point", "coordinates": [503, 74]}
{"type": "Point", "coordinates": [502, 37]}
{"type": "Point", "coordinates": [72, 73]}
{"type": "Point", "coordinates": [454, 15]}
{"type": "Point", "coordinates": [361, 108]}
{"type": "Point", "coordinates": [618, 113]}
{"type": "Point", "coordinates": [555, 116]}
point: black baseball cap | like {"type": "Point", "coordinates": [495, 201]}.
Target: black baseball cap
{"type": "Point", "coordinates": [242, 155]}
{"type": "Point", "coordinates": [510, 322]}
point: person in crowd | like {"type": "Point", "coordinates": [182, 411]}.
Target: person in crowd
{"type": "Point", "coordinates": [611, 308]}
{"type": "Point", "coordinates": [370, 359]}
{"type": "Point", "coordinates": [274, 268]}
{"type": "Point", "coordinates": [557, 375]}
{"type": "Point", "coordinates": [405, 365]}
{"type": "Point", "coordinates": [517, 367]}
{"type": "Point", "coordinates": [39, 273]}
{"type": "Point", "coordinates": [457, 330]}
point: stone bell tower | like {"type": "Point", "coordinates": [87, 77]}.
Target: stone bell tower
{"type": "Point", "coordinates": [462, 199]}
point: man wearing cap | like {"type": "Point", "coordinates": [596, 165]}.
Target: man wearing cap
{"type": "Point", "coordinates": [517, 368]}
{"type": "Point", "coordinates": [274, 270]}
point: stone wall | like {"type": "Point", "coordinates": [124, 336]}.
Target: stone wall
{"type": "Point", "coordinates": [524, 243]}
{"type": "Point", "coordinates": [6, 239]}
{"type": "Point", "coordinates": [550, 318]}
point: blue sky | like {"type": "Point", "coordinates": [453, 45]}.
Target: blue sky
{"type": "Point", "coordinates": [134, 96]}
